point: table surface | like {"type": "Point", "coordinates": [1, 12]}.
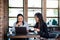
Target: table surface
{"type": "Point", "coordinates": [25, 36]}
{"type": "Point", "coordinates": [30, 36]}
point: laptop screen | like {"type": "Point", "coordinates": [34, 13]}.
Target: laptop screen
{"type": "Point", "coordinates": [21, 30]}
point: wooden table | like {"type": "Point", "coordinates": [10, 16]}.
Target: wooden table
{"type": "Point", "coordinates": [29, 36]}
{"type": "Point", "coordinates": [25, 36]}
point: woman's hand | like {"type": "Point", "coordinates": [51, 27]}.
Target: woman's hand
{"type": "Point", "coordinates": [18, 24]}
{"type": "Point", "coordinates": [36, 29]}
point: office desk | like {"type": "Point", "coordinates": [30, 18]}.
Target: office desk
{"type": "Point", "coordinates": [25, 36]}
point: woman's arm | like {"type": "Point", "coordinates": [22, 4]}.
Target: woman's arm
{"type": "Point", "coordinates": [36, 29]}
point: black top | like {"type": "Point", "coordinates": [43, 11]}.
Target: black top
{"type": "Point", "coordinates": [43, 29]}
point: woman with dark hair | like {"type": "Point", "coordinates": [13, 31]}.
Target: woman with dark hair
{"type": "Point", "coordinates": [40, 25]}
{"type": "Point", "coordinates": [20, 23]}
{"type": "Point", "coordinates": [20, 19]}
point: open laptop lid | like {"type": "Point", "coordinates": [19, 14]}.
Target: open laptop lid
{"type": "Point", "coordinates": [21, 30]}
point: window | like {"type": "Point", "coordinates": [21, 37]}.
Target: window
{"type": "Point", "coordinates": [31, 21]}
{"type": "Point", "coordinates": [52, 3]}
{"type": "Point", "coordinates": [15, 8]}
{"type": "Point", "coordinates": [15, 3]}
{"type": "Point", "coordinates": [31, 12]}
{"type": "Point", "coordinates": [14, 11]}
{"type": "Point", "coordinates": [12, 21]}
{"type": "Point", "coordinates": [52, 12]}
{"type": "Point", "coordinates": [34, 6]}
{"type": "Point", "coordinates": [34, 3]}
{"type": "Point", "coordinates": [52, 22]}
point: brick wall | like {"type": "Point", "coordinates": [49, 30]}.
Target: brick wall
{"type": "Point", "coordinates": [6, 14]}
{"type": "Point", "coordinates": [3, 18]}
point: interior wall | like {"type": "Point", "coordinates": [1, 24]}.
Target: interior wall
{"type": "Point", "coordinates": [3, 18]}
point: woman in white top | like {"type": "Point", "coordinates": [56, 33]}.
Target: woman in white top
{"type": "Point", "coordinates": [20, 23]}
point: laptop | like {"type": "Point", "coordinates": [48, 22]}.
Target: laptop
{"type": "Point", "coordinates": [21, 30]}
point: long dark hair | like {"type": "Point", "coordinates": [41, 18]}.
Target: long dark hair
{"type": "Point", "coordinates": [42, 25]}
{"type": "Point", "coordinates": [40, 17]}
{"type": "Point", "coordinates": [18, 16]}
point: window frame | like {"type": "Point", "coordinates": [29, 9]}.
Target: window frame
{"type": "Point", "coordinates": [58, 13]}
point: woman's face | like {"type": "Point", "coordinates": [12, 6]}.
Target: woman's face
{"type": "Point", "coordinates": [20, 18]}
{"type": "Point", "coordinates": [37, 19]}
